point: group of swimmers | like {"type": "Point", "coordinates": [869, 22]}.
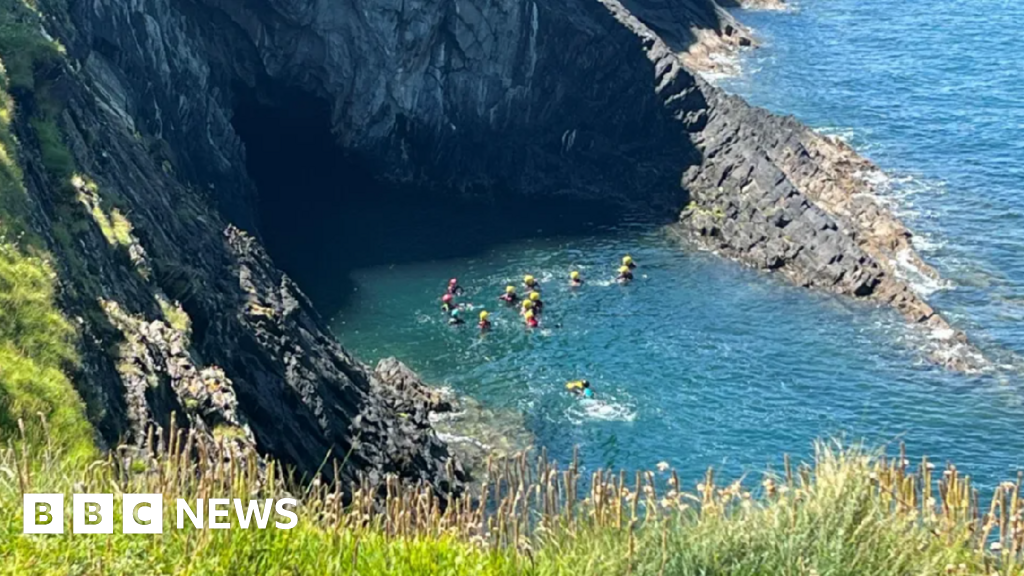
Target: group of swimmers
{"type": "Point", "coordinates": [530, 307]}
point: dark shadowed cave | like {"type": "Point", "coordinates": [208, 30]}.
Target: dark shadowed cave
{"type": "Point", "coordinates": [324, 212]}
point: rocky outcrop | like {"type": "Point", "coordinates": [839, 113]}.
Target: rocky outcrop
{"type": "Point", "coordinates": [772, 193]}
{"type": "Point", "coordinates": [472, 431]}
{"type": "Point", "coordinates": [756, 4]}
{"type": "Point", "coordinates": [184, 317]}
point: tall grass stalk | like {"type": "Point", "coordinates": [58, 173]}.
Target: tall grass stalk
{"type": "Point", "coordinates": [846, 512]}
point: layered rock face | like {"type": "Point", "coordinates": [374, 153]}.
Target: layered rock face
{"type": "Point", "coordinates": [186, 317]}
{"type": "Point", "coordinates": [582, 98]}
{"type": "Point", "coordinates": [244, 357]}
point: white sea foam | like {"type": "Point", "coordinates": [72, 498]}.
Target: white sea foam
{"type": "Point", "coordinates": [839, 132]}
{"type": "Point", "coordinates": [921, 283]}
{"type": "Point", "coordinates": [942, 334]}
{"type": "Point", "coordinates": [455, 438]}
{"type": "Point", "coordinates": [926, 243]}
{"type": "Point", "coordinates": [600, 409]}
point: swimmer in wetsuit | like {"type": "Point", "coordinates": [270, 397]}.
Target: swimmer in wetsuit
{"type": "Point", "coordinates": [625, 275]}
{"type": "Point", "coordinates": [531, 321]}
{"type": "Point", "coordinates": [580, 388]}
{"type": "Point", "coordinates": [531, 283]}
{"type": "Point", "coordinates": [454, 319]}
{"type": "Point", "coordinates": [538, 306]}
{"type": "Point", "coordinates": [509, 297]}
{"type": "Point", "coordinates": [575, 280]}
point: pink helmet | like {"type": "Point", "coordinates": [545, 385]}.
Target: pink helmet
{"type": "Point", "coordinates": [453, 281]}
{"type": "Point", "coordinates": [446, 298]}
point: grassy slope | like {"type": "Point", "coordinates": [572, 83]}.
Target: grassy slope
{"type": "Point", "coordinates": [36, 342]}
{"type": "Point", "coordinates": [845, 515]}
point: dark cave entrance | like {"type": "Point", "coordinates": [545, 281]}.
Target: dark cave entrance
{"type": "Point", "coordinates": [323, 212]}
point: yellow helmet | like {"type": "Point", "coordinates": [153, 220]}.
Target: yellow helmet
{"type": "Point", "coordinates": [535, 296]}
{"type": "Point", "coordinates": [623, 269]}
{"type": "Point", "coordinates": [484, 315]}
{"type": "Point", "coordinates": [528, 279]}
{"type": "Point", "coordinates": [574, 275]}
{"type": "Point", "coordinates": [627, 260]}
{"type": "Point", "coordinates": [529, 314]}
{"type": "Point", "coordinates": [510, 289]}
{"type": "Point", "coordinates": [527, 304]}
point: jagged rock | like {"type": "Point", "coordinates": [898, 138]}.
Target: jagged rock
{"type": "Point", "coordinates": [409, 391]}
{"type": "Point", "coordinates": [807, 213]}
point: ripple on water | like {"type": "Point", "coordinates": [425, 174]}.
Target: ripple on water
{"type": "Point", "coordinates": [702, 362]}
{"type": "Point", "coordinates": [930, 97]}
{"type": "Point", "coordinates": [698, 362]}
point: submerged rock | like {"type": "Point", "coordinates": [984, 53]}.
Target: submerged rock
{"type": "Point", "coordinates": [472, 432]}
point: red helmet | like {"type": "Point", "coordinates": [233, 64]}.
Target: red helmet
{"type": "Point", "coordinates": [446, 298]}
{"type": "Point", "coordinates": [453, 281]}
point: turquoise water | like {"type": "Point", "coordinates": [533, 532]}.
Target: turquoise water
{"type": "Point", "coordinates": [703, 362]}
{"type": "Point", "coordinates": [931, 92]}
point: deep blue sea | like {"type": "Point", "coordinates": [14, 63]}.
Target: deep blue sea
{"type": "Point", "coordinates": [701, 362]}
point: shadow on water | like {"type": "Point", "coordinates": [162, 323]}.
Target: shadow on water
{"type": "Point", "coordinates": [324, 212]}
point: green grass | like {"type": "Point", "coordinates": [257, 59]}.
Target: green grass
{"type": "Point", "coordinates": [175, 315]}
{"type": "Point", "coordinates": [37, 344]}
{"type": "Point", "coordinates": [846, 513]}
{"type": "Point", "coordinates": [56, 157]}
{"type": "Point", "coordinates": [27, 54]}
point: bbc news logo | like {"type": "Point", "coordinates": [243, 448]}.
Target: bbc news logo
{"type": "Point", "coordinates": [144, 513]}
